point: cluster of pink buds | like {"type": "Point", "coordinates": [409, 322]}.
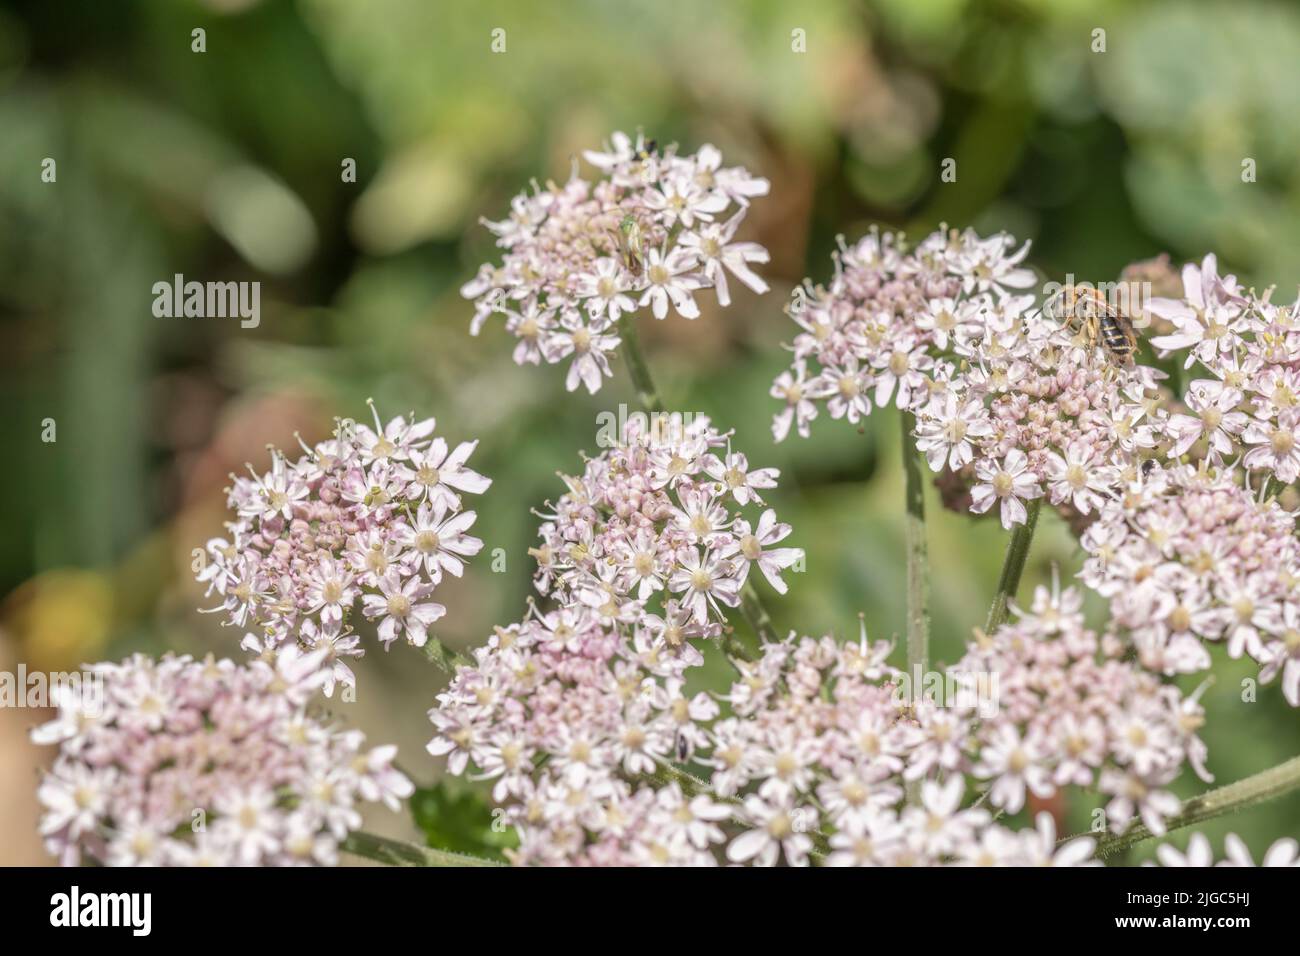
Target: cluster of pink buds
{"type": "Point", "coordinates": [1189, 555]}
{"type": "Point", "coordinates": [654, 229]}
{"type": "Point", "coordinates": [186, 763]}
{"type": "Point", "coordinates": [371, 517]}
{"type": "Point", "coordinates": [655, 532]}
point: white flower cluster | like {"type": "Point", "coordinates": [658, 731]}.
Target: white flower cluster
{"type": "Point", "coordinates": [1189, 555]}
{"type": "Point", "coordinates": [1012, 400]}
{"type": "Point", "coordinates": [207, 763]}
{"type": "Point", "coordinates": [654, 533]}
{"type": "Point", "coordinates": [1249, 407]}
{"type": "Point", "coordinates": [654, 230]}
{"type": "Point", "coordinates": [371, 516]}
{"type": "Point", "coordinates": [586, 733]}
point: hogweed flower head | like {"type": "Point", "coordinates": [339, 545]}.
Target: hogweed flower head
{"type": "Point", "coordinates": [872, 335]}
{"type": "Point", "coordinates": [372, 518]}
{"type": "Point", "coordinates": [1249, 406]}
{"type": "Point", "coordinates": [654, 228]}
{"type": "Point", "coordinates": [1073, 711]}
{"type": "Point", "coordinates": [208, 763]}
{"type": "Point", "coordinates": [808, 755]}
{"type": "Point", "coordinates": [1190, 555]}
{"type": "Point", "coordinates": [569, 719]}
{"type": "Point", "coordinates": [672, 524]}
{"type": "Point", "coordinates": [1005, 394]}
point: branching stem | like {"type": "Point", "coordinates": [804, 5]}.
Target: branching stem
{"type": "Point", "coordinates": [1234, 797]}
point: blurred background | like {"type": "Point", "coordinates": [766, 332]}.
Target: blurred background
{"type": "Point", "coordinates": [226, 165]}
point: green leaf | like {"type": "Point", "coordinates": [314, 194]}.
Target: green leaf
{"type": "Point", "coordinates": [456, 818]}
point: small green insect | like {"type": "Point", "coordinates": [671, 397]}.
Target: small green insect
{"type": "Point", "coordinates": [633, 250]}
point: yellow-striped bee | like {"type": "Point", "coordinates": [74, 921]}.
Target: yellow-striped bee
{"type": "Point", "coordinates": [1085, 310]}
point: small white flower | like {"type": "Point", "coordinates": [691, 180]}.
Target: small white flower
{"type": "Point", "coordinates": [1010, 483]}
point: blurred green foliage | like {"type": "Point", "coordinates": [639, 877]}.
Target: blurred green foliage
{"type": "Point", "coordinates": [226, 165]}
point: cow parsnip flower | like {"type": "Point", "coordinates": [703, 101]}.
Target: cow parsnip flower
{"type": "Point", "coordinates": [370, 520]}
{"type": "Point", "coordinates": [1189, 556]}
{"type": "Point", "coordinates": [580, 724]}
{"type": "Point", "coordinates": [1005, 395]}
{"type": "Point", "coordinates": [187, 763]}
{"type": "Point", "coordinates": [653, 229]}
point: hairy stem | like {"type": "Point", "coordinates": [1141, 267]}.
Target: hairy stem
{"type": "Point", "coordinates": [751, 606]}
{"type": "Point", "coordinates": [918, 612]}
{"type": "Point", "coordinates": [636, 365]}
{"type": "Point", "coordinates": [1253, 790]}
{"type": "Point", "coordinates": [397, 853]}
{"type": "Point", "coordinates": [1013, 566]}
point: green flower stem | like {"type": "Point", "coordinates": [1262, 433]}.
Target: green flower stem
{"type": "Point", "coordinates": [751, 605]}
{"type": "Point", "coordinates": [918, 612]}
{"type": "Point", "coordinates": [397, 853]}
{"type": "Point", "coordinates": [636, 365]}
{"type": "Point", "coordinates": [1013, 566]}
{"type": "Point", "coordinates": [691, 785]}
{"type": "Point", "coordinates": [1263, 786]}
